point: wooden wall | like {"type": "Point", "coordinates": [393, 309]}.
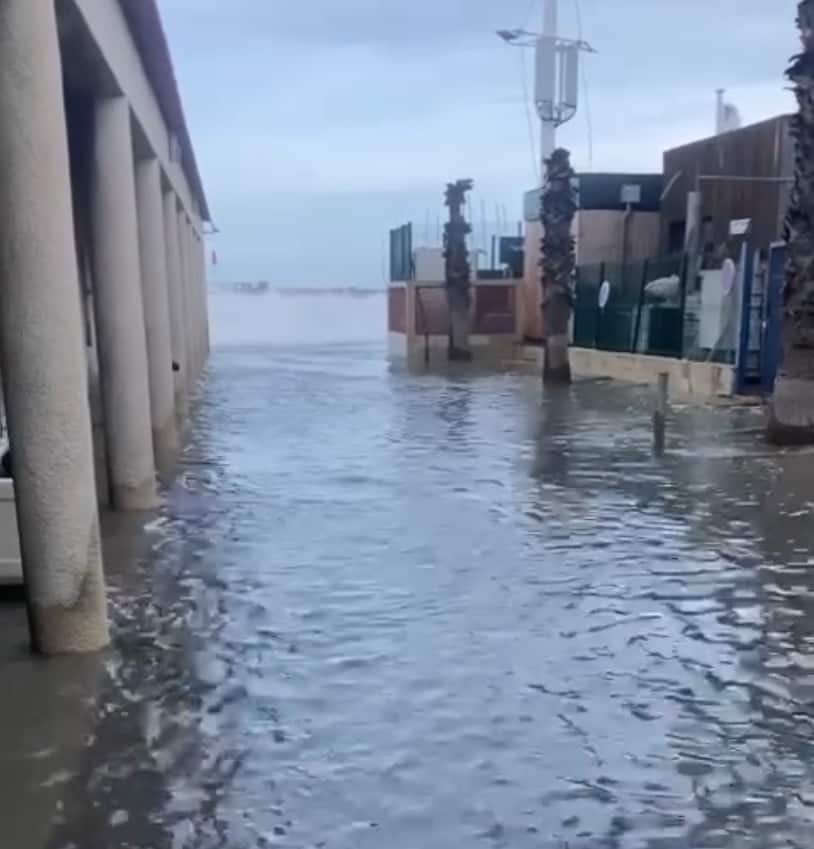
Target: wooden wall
{"type": "Point", "coordinates": [760, 150]}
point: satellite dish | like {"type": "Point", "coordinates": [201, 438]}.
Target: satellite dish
{"type": "Point", "coordinates": [604, 294]}
{"type": "Point", "coordinates": [729, 272]}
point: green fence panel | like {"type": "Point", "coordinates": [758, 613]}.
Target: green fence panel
{"type": "Point", "coordinates": [613, 328]}
{"type": "Point", "coordinates": [664, 337]}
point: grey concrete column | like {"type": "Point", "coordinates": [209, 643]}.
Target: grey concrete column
{"type": "Point", "coordinates": [42, 343]}
{"type": "Point", "coordinates": [195, 295]}
{"type": "Point", "coordinates": [153, 252]}
{"type": "Point", "coordinates": [205, 280]}
{"type": "Point", "coordinates": [175, 281]}
{"type": "Point", "coordinates": [120, 311]}
{"type": "Point", "coordinates": [97, 416]}
{"type": "Point", "coordinates": [189, 325]}
{"type": "Point", "coordinates": [200, 297]}
{"type": "Point", "coordinates": [192, 301]}
{"type": "Point", "coordinates": [202, 260]}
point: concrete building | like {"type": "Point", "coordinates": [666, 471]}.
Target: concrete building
{"type": "Point", "coordinates": [617, 220]}
{"type": "Point", "coordinates": [101, 286]}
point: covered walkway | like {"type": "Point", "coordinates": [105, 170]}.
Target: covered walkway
{"type": "Point", "coordinates": [103, 313]}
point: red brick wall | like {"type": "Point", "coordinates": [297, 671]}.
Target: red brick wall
{"type": "Point", "coordinates": [494, 312]}
{"type": "Point", "coordinates": [531, 293]}
{"type": "Point", "coordinates": [431, 314]}
{"type": "Point", "coordinates": [397, 310]}
{"type": "Point", "coordinates": [494, 309]}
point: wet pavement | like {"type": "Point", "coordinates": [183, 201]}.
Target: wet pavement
{"type": "Point", "coordinates": [433, 611]}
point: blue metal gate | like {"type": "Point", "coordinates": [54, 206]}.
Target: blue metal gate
{"type": "Point", "coordinates": [771, 347]}
{"type": "Point", "coordinates": [747, 365]}
{"type": "Point", "coordinates": [401, 254]}
{"type": "Point", "coordinates": [761, 321]}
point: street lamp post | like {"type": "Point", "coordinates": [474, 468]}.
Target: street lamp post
{"type": "Point", "coordinates": [546, 88]}
{"type": "Point", "coordinates": [556, 87]}
{"type": "Point", "coordinates": [556, 93]}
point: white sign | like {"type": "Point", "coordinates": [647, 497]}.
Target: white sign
{"type": "Point", "coordinates": [604, 294]}
{"type": "Point", "coordinates": [631, 193]}
{"type": "Point", "coordinates": [739, 226]}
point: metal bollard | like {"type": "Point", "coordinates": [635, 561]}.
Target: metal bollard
{"type": "Point", "coordinates": [660, 413]}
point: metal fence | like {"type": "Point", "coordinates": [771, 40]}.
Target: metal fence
{"type": "Point", "coordinates": [641, 311]}
{"type": "Point", "coordinates": [728, 313]}
{"type": "Point", "coordinates": [401, 254]}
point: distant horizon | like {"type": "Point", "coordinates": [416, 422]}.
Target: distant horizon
{"type": "Point", "coordinates": [314, 287]}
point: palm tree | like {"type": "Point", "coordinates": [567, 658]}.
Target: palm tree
{"type": "Point", "coordinates": [559, 205]}
{"type": "Point", "coordinates": [792, 410]}
{"type": "Point", "coordinates": [458, 272]}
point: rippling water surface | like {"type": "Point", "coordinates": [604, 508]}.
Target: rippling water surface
{"type": "Point", "coordinates": [434, 611]}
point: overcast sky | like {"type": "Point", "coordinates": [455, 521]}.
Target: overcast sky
{"type": "Point", "coordinates": [320, 124]}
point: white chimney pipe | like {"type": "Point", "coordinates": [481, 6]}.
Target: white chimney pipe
{"type": "Point", "coordinates": [720, 111]}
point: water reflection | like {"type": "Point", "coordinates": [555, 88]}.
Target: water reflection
{"type": "Point", "coordinates": [432, 610]}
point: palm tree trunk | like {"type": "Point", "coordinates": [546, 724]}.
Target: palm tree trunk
{"type": "Point", "coordinates": [460, 311]}
{"type": "Point", "coordinates": [558, 262]}
{"type": "Point", "coordinates": [458, 273]}
{"type": "Point", "coordinates": [792, 409]}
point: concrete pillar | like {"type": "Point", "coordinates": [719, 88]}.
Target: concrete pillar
{"type": "Point", "coordinates": [153, 252]}
{"type": "Point", "coordinates": [195, 287]}
{"type": "Point", "coordinates": [191, 300]}
{"type": "Point", "coordinates": [176, 299]}
{"type": "Point", "coordinates": [97, 421]}
{"type": "Point", "coordinates": [42, 344]}
{"type": "Point", "coordinates": [200, 296]}
{"type": "Point", "coordinates": [120, 311]}
{"type": "Point", "coordinates": [189, 325]}
{"type": "Point", "coordinates": [205, 273]}
{"type": "Point", "coordinates": [204, 297]}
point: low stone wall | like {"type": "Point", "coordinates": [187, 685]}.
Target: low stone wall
{"type": "Point", "coordinates": [687, 379]}
{"type": "Point", "coordinates": [494, 350]}
{"type": "Point", "coordinates": [397, 309]}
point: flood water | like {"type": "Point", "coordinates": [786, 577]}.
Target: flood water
{"type": "Point", "coordinates": [426, 611]}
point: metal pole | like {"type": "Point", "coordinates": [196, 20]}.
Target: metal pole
{"type": "Point", "coordinates": [719, 110]}
{"type": "Point", "coordinates": [550, 15]}
{"type": "Point", "coordinates": [660, 413]}
{"type": "Point", "coordinates": [685, 274]}
{"type": "Point", "coordinates": [638, 325]}
{"type": "Point", "coordinates": [548, 136]}
{"type": "Point", "coordinates": [747, 271]}
{"type": "Point", "coordinates": [484, 226]}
